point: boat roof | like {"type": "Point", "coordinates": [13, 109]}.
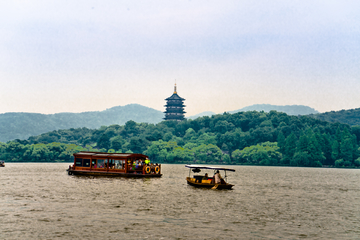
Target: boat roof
{"type": "Point", "coordinates": [208, 167]}
{"type": "Point", "coordinates": [109, 155]}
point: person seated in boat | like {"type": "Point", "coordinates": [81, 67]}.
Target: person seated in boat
{"type": "Point", "coordinates": [205, 177]}
{"type": "Point", "coordinates": [138, 166]}
{"type": "Point", "coordinates": [147, 161]}
{"type": "Point", "coordinates": [134, 166]}
{"type": "Point", "coordinates": [217, 177]}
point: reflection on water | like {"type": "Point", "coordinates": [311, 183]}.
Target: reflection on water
{"type": "Point", "coordinates": [40, 201]}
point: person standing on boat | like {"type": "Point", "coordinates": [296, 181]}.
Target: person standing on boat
{"type": "Point", "coordinates": [217, 177]}
{"type": "Point", "coordinates": [147, 161]}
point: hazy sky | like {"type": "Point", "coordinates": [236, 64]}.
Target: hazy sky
{"type": "Point", "coordinates": [83, 55]}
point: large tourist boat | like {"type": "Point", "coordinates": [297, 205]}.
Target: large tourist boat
{"type": "Point", "coordinates": [114, 164]}
{"type": "Point", "coordinates": [205, 181]}
{"type": "Point", "coordinates": [2, 163]}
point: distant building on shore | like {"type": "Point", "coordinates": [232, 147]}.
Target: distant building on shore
{"type": "Point", "coordinates": [174, 107]}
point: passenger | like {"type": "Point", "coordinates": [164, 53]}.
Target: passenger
{"type": "Point", "coordinates": [217, 177]}
{"type": "Point", "coordinates": [147, 161]}
{"type": "Point", "coordinates": [206, 177]}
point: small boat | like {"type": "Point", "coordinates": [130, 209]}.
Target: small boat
{"type": "Point", "coordinates": [2, 163]}
{"type": "Point", "coordinates": [114, 164]}
{"type": "Point", "coordinates": [204, 181]}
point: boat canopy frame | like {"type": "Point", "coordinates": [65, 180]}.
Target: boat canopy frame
{"type": "Point", "coordinates": [208, 167]}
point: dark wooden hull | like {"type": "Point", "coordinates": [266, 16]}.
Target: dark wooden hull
{"type": "Point", "coordinates": [209, 185]}
{"type": "Point", "coordinates": [112, 174]}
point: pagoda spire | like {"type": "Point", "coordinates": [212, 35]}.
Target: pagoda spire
{"type": "Point", "coordinates": [175, 88]}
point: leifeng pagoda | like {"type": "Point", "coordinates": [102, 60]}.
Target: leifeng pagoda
{"type": "Point", "coordinates": [174, 107]}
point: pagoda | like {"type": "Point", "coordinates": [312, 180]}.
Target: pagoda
{"type": "Point", "coordinates": [174, 107]}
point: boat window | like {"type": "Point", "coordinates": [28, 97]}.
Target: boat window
{"type": "Point", "coordinates": [111, 163]}
{"type": "Point", "coordinates": [100, 163]}
{"type": "Point", "coordinates": [78, 162]}
{"type": "Point", "coordinates": [86, 162]}
{"type": "Point", "coordinates": [119, 164]}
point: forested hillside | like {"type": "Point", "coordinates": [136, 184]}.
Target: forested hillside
{"type": "Point", "coordinates": [255, 138]}
{"type": "Point", "coordinates": [351, 116]}
{"type": "Point", "coordinates": [24, 125]}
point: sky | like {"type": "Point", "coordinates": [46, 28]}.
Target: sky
{"type": "Point", "coordinates": [76, 56]}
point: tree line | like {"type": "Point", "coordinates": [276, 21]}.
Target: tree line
{"type": "Point", "coordinates": [351, 116]}
{"type": "Point", "coordinates": [251, 138]}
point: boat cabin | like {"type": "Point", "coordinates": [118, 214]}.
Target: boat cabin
{"type": "Point", "coordinates": [114, 164]}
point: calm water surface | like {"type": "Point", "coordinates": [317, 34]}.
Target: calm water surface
{"type": "Point", "coordinates": [40, 201]}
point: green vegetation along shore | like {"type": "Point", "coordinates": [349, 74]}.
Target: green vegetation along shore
{"type": "Point", "coordinates": [251, 138]}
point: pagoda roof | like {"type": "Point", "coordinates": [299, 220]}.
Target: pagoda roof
{"type": "Point", "coordinates": [175, 97]}
{"type": "Point", "coordinates": [181, 104]}
{"type": "Point", "coordinates": [174, 111]}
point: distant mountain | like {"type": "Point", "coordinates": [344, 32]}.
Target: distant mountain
{"type": "Point", "coordinates": [288, 109]}
{"type": "Point", "coordinates": [351, 116]}
{"type": "Point", "coordinates": [23, 125]}
{"type": "Point", "coordinates": [208, 113]}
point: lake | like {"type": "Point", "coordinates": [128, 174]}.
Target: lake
{"type": "Point", "coordinates": [40, 201]}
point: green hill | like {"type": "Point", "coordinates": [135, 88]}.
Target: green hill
{"type": "Point", "coordinates": [251, 138]}
{"type": "Point", "coordinates": [23, 125]}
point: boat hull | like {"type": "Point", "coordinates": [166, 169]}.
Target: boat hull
{"type": "Point", "coordinates": [112, 174]}
{"type": "Point", "coordinates": [208, 185]}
